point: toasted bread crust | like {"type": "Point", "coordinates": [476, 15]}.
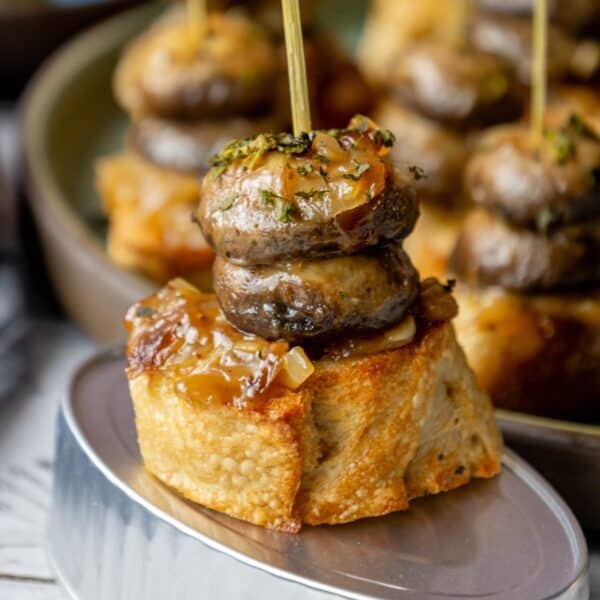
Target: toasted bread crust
{"type": "Point", "coordinates": [361, 438]}
{"type": "Point", "coordinates": [534, 353]}
{"type": "Point", "coordinates": [149, 211]}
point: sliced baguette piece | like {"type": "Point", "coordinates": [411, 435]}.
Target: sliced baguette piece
{"type": "Point", "coordinates": [394, 426]}
{"type": "Point", "coordinates": [534, 353]}
{"type": "Point", "coordinates": [149, 212]}
{"type": "Point", "coordinates": [362, 437]}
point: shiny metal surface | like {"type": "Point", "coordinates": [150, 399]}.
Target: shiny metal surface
{"type": "Point", "coordinates": [115, 532]}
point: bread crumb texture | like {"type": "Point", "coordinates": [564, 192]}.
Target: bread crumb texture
{"type": "Point", "coordinates": [363, 437]}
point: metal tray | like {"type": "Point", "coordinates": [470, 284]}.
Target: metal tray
{"type": "Point", "coordinates": [567, 454]}
{"type": "Point", "coordinates": [115, 532]}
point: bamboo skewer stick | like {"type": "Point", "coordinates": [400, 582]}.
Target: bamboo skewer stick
{"type": "Point", "coordinates": [296, 64]}
{"type": "Point", "coordinates": [538, 72]}
{"type": "Point", "coordinates": [197, 11]}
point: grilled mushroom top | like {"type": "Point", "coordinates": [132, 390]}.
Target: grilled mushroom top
{"type": "Point", "coordinates": [436, 149]}
{"type": "Point", "coordinates": [489, 251]}
{"type": "Point", "coordinates": [539, 186]}
{"type": "Point", "coordinates": [166, 72]}
{"type": "Point", "coordinates": [277, 197]}
{"type": "Point", "coordinates": [460, 87]}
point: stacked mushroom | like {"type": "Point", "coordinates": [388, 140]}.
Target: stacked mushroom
{"type": "Point", "coordinates": [187, 96]}
{"type": "Point", "coordinates": [279, 412]}
{"type": "Point", "coordinates": [505, 30]}
{"type": "Point", "coordinates": [439, 95]}
{"type": "Point", "coordinates": [533, 243]}
{"type": "Point", "coordinates": [308, 233]}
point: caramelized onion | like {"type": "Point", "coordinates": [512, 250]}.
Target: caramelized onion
{"type": "Point", "coordinates": [296, 368]}
{"type": "Point", "coordinates": [182, 331]}
{"type": "Point", "coordinates": [391, 339]}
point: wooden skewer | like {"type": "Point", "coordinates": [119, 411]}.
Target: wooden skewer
{"type": "Point", "coordinates": [296, 66]}
{"type": "Point", "coordinates": [538, 70]}
{"type": "Point", "coordinates": [197, 12]}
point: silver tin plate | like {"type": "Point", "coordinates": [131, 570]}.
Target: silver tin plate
{"type": "Point", "coordinates": [115, 532]}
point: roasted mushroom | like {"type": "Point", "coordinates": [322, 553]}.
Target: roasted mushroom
{"type": "Point", "coordinates": [278, 197]}
{"type": "Point", "coordinates": [308, 232]}
{"type": "Point", "coordinates": [539, 186]}
{"type": "Point", "coordinates": [167, 73]}
{"type": "Point", "coordinates": [188, 146]}
{"type": "Point", "coordinates": [528, 266]}
{"type": "Point", "coordinates": [510, 38]}
{"type": "Point", "coordinates": [439, 152]}
{"type": "Point", "coordinates": [304, 299]}
{"type": "Point", "coordinates": [491, 252]}
{"type": "Point", "coordinates": [458, 86]}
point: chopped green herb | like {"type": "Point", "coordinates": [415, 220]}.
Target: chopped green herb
{"type": "Point", "coordinates": [252, 149]}
{"type": "Point", "coordinates": [284, 209]}
{"type": "Point", "coordinates": [383, 137]}
{"type": "Point", "coordinates": [304, 170]}
{"type": "Point", "coordinates": [547, 218]}
{"type": "Point", "coordinates": [562, 145]}
{"type": "Point", "coordinates": [578, 125]}
{"type": "Point", "coordinates": [269, 197]}
{"type": "Point", "coordinates": [360, 170]}
{"type": "Point", "coordinates": [459, 470]}
{"type": "Point", "coordinates": [218, 170]}
{"type": "Point", "coordinates": [228, 202]}
{"type": "Point", "coordinates": [145, 311]}
{"type": "Point", "coordinates": [311, 194]}
{"type": "Point", "coordinates": [417, 172]}
{"type": "Point", "coordinates": [323, 173]}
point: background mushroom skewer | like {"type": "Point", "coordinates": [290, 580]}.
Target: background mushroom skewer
{"type": "Point", "coordinates": [528, 263]}
{"type": "Point", "coordinates": [189, 94]}
{"type": "Point", "coordinates": [439, 92]}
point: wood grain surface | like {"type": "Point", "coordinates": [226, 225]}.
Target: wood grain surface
{"type": "Point", "coordinates": [27, 423]}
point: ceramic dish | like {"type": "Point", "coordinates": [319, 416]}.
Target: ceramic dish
{"type": "Point", "coordinates": [511, 537]}
{"type": "Point", "coordinates": [70, 119]}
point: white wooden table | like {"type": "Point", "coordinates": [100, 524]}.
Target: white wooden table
{"type": "Point", "coordinates": [26, 448]}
